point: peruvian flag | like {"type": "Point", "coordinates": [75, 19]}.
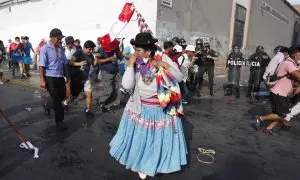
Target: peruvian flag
{"type": "Point", "coordinates": [109, 42]}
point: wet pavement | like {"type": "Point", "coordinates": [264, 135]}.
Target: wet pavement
{"type": "Point", "coordinates": [82, 152]}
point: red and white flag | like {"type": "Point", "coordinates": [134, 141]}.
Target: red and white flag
{"type": "Point", "coordinates": [109, 41]}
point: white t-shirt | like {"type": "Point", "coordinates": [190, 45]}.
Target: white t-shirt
{"type": "Point", "coordinates": [184, 63]}
{"type": "Point", "coordinates": [69, 52]}
{"type": "Point", "coordinates": [277, 59]}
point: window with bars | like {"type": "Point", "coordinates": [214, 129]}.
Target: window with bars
{"type": "Point", "coordinates": [239, 25]}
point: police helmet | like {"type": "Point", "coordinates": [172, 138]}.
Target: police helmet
{"type": "Point", "coordinates": [176, 40]}
{"type": "Point", "coordinates": [182, 43]}
{"type": "Point", "coordinates": [199, 42]}
{"type": "Point", "coordinates": [206, 45]}
{"type": "Point", "coordinates": [259, 49]}
{"type": "Point", "coordinates": [235, 46]}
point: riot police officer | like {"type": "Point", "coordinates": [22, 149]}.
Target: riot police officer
{"type": "Point", "coordinates": [182, 43]}
{"type": "Point", "coordinates": [258, 63]}
{"type": "Point", "coordinates": [199, 62]}
{"type": "Point", "coordinates": [175, 41]}
{"type": "Point", "coordinates": [234, 63]}
{"type": "Point", "coordinates": [208, 57]}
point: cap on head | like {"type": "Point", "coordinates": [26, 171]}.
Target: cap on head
{"type": "Point", "coordinates": [190, 48]}
{"type": "Point", "coordinates": [69, 40]}
{"type": "Point", "coordinates": [56, 33]}
{"type": "Point", "coordinates": [177, 49]}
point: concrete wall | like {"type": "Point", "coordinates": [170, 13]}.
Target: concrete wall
{"type": "Point", "coordinates": [85, 20]}
{"type": "Point", "coordinates": [267, 30]}
{"type": "Point", "coordinates": [196, 18]}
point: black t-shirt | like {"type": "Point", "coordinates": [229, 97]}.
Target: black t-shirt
{"type": "Point", "coordinates": [208, 61]}
{"type": "Point", "coordinates": [79, 57]}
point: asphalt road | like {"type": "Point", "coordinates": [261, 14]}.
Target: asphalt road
{"type": "Point", "coordinates": [82, 153]}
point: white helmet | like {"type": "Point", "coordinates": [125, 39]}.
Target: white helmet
{"type": "Point", "coordinates": [190, 48]}
{"type": "Point", "coordinates": [177, 48]}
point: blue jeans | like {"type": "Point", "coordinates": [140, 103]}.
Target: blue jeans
{"type": "Point", "coordinates": [184, 90]}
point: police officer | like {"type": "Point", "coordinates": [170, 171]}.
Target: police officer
{"type": "Point", "coordinates": [208, 57]}
{"type": "Point", "coordinates": [199, 62]}
{"type": "Point", "coordinates": [234, 63]}
{"type": "Point", "coordinates": [258, 63]}
{"type": "Point", "coordinates": [53, 68]}
{"type": "Point", "coordinates": [182, 43]}
{"type": "Point", "coordinates": [175, 41]}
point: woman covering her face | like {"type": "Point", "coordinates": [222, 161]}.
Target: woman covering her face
{"type": "Point", "coordinates": [150, 137]}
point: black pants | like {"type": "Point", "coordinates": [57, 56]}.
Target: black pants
{"type": "Point", "coordinates": [210, 69]}
{"type": "Point", "coordinates": [255, 80]}
{"type": "Point", "coordinates": [57, 90]}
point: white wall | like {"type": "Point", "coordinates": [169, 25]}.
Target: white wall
{"type": "Point", "coordinates": [83, 19]}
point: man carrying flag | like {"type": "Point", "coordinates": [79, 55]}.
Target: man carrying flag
{"type": "Point", "coordinates": [108, 55]}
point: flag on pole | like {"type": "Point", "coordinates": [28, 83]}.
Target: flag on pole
{"type": "Point", "coordinates": [143, 26]}
{"type": "Point", "coordinates": [109, 42]}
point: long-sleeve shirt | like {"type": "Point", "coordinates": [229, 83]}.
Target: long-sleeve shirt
{"type": "Point", "coordinates": [132, 80]}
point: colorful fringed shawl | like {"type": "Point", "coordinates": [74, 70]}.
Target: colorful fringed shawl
{"type": "Point", "coordinates": [168, 90]}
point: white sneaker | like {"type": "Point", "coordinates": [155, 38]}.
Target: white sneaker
{"type": "Point", "coordinates": [142, 176]}
{"type": "Point", "coordinates": [1, 82]}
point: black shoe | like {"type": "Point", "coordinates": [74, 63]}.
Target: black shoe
{"type": "Point", "coordinates": [212, 94]}
{"type": "Point", "coordinates": [89, 114]}
{"type": "Point", "coordinates": [28, 75]}
{"type": "Point", "coordinates": [23, 76]}
{"type": "Point", "coordinates": [103, 108]}
{"type": "Point", "coordinates": [46, 110]}
{"type": "Point", "coordinates": [61, 126]}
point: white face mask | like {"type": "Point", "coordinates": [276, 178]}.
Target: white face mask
{"type": "Point", "coordinates": [145, 60]}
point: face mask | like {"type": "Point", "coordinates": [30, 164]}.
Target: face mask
{"type": "Point", "coordinates": [25, 41]}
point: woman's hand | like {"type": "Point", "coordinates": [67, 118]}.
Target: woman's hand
{"type": "Point", "coordinates": [132, 59]}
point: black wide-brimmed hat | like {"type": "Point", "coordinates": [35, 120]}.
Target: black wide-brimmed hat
{"type": "Point", "coordinates": [143, 39]}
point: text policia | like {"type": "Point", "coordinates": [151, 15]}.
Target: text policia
{"type": "Point", "coordinates": [243, 63]}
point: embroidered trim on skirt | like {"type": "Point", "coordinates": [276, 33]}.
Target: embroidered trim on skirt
{"type": "Point", "coordinates": [147, 143]}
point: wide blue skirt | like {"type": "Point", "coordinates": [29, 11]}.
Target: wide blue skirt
{"type": "Point", "coordinates": [150, 143]}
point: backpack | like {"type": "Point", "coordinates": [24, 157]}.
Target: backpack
{"type": "Point", "coordinates": [271, 80]}
{"type": "Point", "coordinates": [182, 60]}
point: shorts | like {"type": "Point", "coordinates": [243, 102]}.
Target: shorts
{"type": "Point", "coordinates": [88, 86]}
{"type": "Point", "coordinates": [280, 105]}
{"type": "Point", "coordinates": [17, 59]}
{"type": "Point", "coordinates": [27, 60]}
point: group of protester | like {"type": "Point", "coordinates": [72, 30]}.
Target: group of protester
{"type": "Point", "coordinates": [150, 137]}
